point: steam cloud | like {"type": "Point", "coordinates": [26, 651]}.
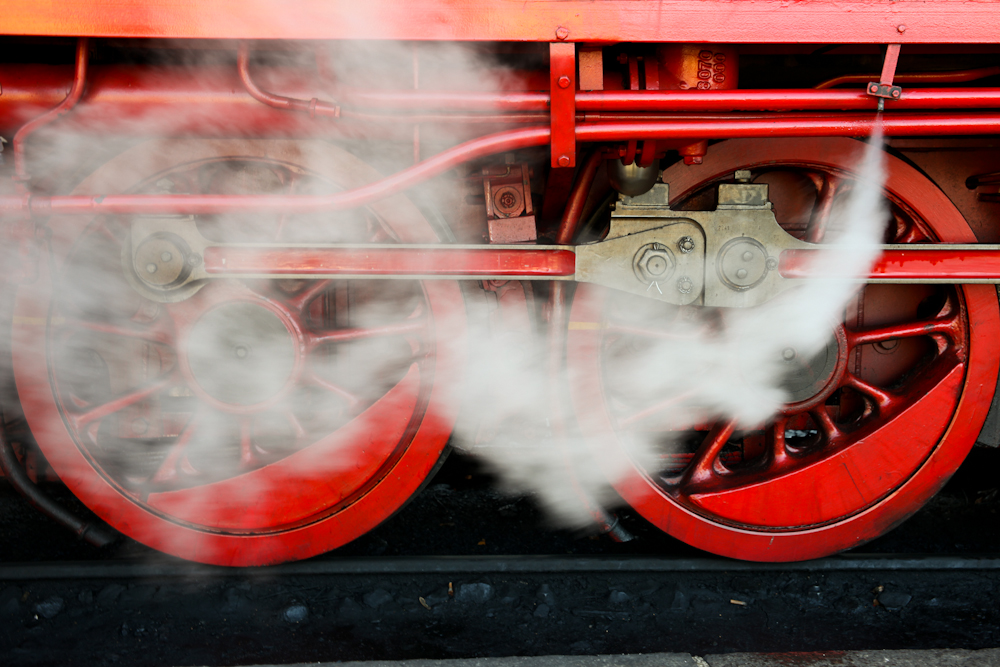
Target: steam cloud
{"type": "Point", "coordinates": [710, 365]}
{"type": "Point", "coordinates": [715, 365]}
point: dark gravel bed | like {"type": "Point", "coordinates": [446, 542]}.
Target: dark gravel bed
{"type": "Point", "coordinates": [244, 619]}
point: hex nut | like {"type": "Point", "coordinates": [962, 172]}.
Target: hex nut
{"type": "Point", "coordinates": [653, 262]}
{"type": "Point", "coordinates": [685, 244]}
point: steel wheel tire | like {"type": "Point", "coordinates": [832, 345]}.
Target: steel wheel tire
{"type": "Point", "coordinates": [273, 497]}
{"type": "Point", "coordinates": [848, 486]}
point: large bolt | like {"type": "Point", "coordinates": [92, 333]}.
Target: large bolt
{"type": "Point", "coordinates": [654, 261]}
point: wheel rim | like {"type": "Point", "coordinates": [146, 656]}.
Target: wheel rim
{"type": "Point", "coordinates": [885, 417]}
{"type": "Point", "coordinates": [256, 421]}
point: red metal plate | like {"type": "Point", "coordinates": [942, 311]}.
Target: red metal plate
{"type": "Point", "coordinates": [749, 21]}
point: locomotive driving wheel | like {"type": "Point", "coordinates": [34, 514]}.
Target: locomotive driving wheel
{"type": "Point", "coordinates": [877, 422]}
{"type": "Point", "coordinates": [256, 421]}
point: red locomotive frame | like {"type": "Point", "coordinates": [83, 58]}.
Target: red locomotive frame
{"type": "Point", "coordinates": [670, 95]}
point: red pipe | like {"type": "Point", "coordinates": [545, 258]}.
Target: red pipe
{"type": "Point", "coordinates": [722, 127]}
{"type": "Point", "coordinates": [292, 204]}
{"type": "Point", "coordinates": [170, 101]}
{"type": "Point", "coordinates": [21, 175]}
{"type": "Point", "coordinates": [958, 76]}
{"type": "Point", "coordinates": [313, 107]}
{"type": "Point", "coordinates": [578, 199]}
{"type": "Point", "coordinates": [783, 100]}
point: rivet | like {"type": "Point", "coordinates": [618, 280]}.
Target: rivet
{"type": "Point", "coordinates": [563, 81]}
{"type": "Point", "coordinates": [562, 33]}
{"type": "Point", "coordinates": [151, 268]}
{"type": "Point", "coordinates": [563, 161]}
{"type": "Point", "coordinates": [900, 28]}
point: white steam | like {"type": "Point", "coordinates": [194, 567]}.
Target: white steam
{"type": "Point", "coordinates": [709, 365]}
{"type": "Point", "coordinates": [714, 366]}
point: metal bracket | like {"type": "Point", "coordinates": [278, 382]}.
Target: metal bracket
{"type": "Point", "coordinates": [883, 89]}
{"type": "Point", "coordinates": [562, 86]}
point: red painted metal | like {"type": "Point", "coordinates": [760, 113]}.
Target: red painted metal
{"type": "Point", "coordinates": [911, 264]}
{"type": "Point", "coordinates": [720, 127]}
{"type": "Point", "coordinates": [143, 100]}
{"type": "Point", "coordinates": [562, 84]}
{"type": "Point", "coordinates": [313, 107]}
{"type": "Point", "coordinates": [573, 213]}
{"type": "Point", "coordinates": [252, 515]}
{"type": "Point", "coordinates": [75, 93]}
{"type": "Point", "coordinates": [441, 261]}
{"type": "Point", "coordinates": [752, 21]}
{"type": "Point", "coordinates": [862, 482]}
{"type": "Point", "coordinates": [889, 64]}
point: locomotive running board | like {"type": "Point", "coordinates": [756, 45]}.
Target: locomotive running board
{"type": "Point", "coordinates": [167, 259]}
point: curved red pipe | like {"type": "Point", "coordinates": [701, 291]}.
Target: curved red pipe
{"type": "Point", "coordinates": [578, 199]}
{"type": "Point", "coordinates": [21, 175]}
{"type": "Point", "coordinates": [721, 127]}
{"type": "Point", "coordinates": [313, 107]}
{"type": "Point", "coordinates": [958, 76]}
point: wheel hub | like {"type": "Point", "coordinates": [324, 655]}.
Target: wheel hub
{"type": "Point", "coordinates": [809, 381]}
{"type": "Point", "coordinates": [242, 354]}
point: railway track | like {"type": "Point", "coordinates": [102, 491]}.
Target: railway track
{"type": "Point", "coordinates": [172, 613]}
{"type": "Point", "coordinates": [465, 566]}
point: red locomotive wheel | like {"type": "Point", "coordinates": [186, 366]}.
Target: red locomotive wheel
{"type": "Point", "coordinates": [256, 421]}
{"type": "Point", "coordinates": [880, 419]}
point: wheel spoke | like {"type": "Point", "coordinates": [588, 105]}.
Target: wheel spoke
{"type": "Point", "coordinates": [247, 457]}
{"type": "Point", "coordinates": [296, 425]}
{"type": "Point", "coordinates": [881, 397]}
{"type": "Point", "coordinates": [907, 231]}
{"type": "Point", "coordinates": [301, 300]}
{"type": "Point", "coordinates": [99, 412]}
{"type": "Point", "coordinates": [155, 335]}
{"type": "Point", "coordinates": [314, 378]}
{"type": "Point", "coordinates": [820, 219]}
{"type": "Point", "coordinates": [170, 469]}
{"type": "Point", "coordinates": [702, 467]}
{"type": "Point", "coordinates": [825, 423]}
{"type": "Point", "coordinates": [345, 335]}
{"type": "Point", "coordinates": [939, 325]}
{"type": "Point", "coordinates": [778, 451]}
{"type": "Point", "coordinates": [657, 407]}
